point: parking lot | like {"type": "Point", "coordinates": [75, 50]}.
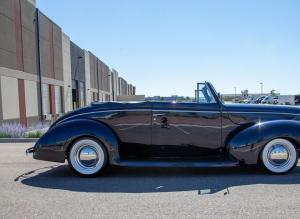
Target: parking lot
{"type": "Point", "coordinates": [37, 189]}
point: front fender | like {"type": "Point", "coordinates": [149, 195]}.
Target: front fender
{"type": "Point", "coordinates": [248, 143]}
{"type": "Point", "coordinates": [53, 145]}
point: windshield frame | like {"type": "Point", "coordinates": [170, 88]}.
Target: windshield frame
{"type": "Point", "coordinates": [211, 90]}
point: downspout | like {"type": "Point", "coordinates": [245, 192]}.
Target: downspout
{"type": "Point", "coordinates": [38, 62]}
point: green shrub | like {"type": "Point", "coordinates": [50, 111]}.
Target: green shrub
{"type": "Point", "coordinates": [34, 134]}
{"type": "Point", "coordinates": [4, 135]}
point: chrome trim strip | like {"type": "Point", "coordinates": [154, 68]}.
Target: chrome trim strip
{"type": "Point", "coordinates": [236, 112]}
{"type": "Point", "coordinates": [188, 111]}
{"type": "Point", "coordinates": [140, 110]}
{"type": "Point", "coordinates": [106, 111]}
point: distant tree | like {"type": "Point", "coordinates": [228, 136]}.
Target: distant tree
{"type": "Point", "coordinates": [272, 92]}
{"type": "Point", "coordinates": [245, 93]}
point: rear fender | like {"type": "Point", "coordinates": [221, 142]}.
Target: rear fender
{"type": "Point", "coordinates": [54, 144]}
{"type": "Point", "coordinates": [247, 145]}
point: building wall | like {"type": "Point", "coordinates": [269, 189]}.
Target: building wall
{"type": "Point", "coordinates": [87, 78]}
{"type": "Point", "coordinates": [7, 34]}
{"type": "Point", "coordinates": [44, 46]}
{"type": "Point", "coordinates": [104, 72]}
{"type": "Point", "coordinates": [104, 85]}
{"type": "Point", "coordinates": [66, 56]}
{"type": "Point", "coordinates": [17, 54]}
{"type": "Point", "coordinates": [123, 87]}
{"type": "Point", "coordinates": [78, 74]}
{"type": "Point", "coordinates": [51, 66]}
{"type": "Point", "coordinates": [20, 84]}
{"type": "Point", "coordinates": [28, 37]}
{"type": "Point", "coordinates": [93, 71]}
{"type": "Point", "coordinates": [32, 2]}
{"type": "Point", "coordinates": [130, 89]}
{"type": "Point", "coordinates": [31, 99]}
{"type": "Point", "coordinates": [9, 98]}
{"type": "Point", "coordinates": [100, 81]}
{"type": "Point", "coordinates": [57, 52]}
{"type": "Point", "coordinates": [131, 98]}
{"type": "Point", "coordinates": [17, 35]}
{"type": "Point", "coordinates": [77, 63]}
{"type": "Point", "coordinates": [50, 48]}
{"type": "Point", "coordinates": [114, 84]}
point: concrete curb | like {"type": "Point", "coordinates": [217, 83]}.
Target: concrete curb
{"type": "Point", "coordinates": [17, 140]}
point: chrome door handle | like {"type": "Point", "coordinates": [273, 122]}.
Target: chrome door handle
{"type": "Point", "coordinates": [158, 114]}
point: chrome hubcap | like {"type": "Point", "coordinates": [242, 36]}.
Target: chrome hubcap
{"type": "Point", "coordinates": [87, 156]}
{"type": "Point", "coordinates": [278, 155]}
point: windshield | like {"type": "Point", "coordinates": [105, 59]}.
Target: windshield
{"type": "Point", "coordinates": [204, 94]}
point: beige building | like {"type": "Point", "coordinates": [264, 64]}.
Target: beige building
{"type": "Point", "coordinates": [43, 74]}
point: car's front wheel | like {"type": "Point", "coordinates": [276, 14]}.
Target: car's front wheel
{"type": "Point", "coordinates": [279, 156]}
{"type": "Point", "coordinates": [87, 157]}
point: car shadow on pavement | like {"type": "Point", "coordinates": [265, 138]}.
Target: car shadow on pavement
{"type": "Point", "coordinates": [150, 180]}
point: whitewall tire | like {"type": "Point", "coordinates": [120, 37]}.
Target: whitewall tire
{"type": "Point", "coordinates": [87, 157]}
{"type": "Point", "coordinates": [279, 156]}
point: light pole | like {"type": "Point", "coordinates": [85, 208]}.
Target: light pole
{"type": "Point", "coordinates": [235, 94]}
{"type": "Point", "coordinates": [261, 88]}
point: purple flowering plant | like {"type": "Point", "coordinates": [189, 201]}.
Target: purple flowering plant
{"type": "Point", "coordinates": [17, 130]}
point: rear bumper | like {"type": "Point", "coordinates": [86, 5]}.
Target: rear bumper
{"type": "Point", "coordinates": [52, 154]}
{"type": "Point", "coordinates": [29, 150]}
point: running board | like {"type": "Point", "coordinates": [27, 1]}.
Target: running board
{"type": "Point", "coordinates": [203, 164]}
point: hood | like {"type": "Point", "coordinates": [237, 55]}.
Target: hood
{"type": "Point", "coordinates": [252, 113]}
{"type": "Point", "coordinates": [262, 108]}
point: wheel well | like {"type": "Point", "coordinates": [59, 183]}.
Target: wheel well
{"type": "Point", "coordinates": [294, 142]}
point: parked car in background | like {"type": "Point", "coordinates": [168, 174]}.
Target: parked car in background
{"type": "Point", "coordinates": [258, 100]}
{"type": "Point", "coordinates": [297, 99]}
{"type": "Point", "coordinates": [286, 100]}
{"type": "Point", "coordinates": [270, 100]}
{"type": "Point", "coordinates": [249, 100]}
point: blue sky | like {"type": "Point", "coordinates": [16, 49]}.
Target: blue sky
{"type": "Point", "coordinates": [165, 46]}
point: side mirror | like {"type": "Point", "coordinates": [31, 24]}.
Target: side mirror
{"type": "Point", "coordinates": [219, 96]}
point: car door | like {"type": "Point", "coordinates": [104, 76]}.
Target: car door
{"type": "Point", "coordinates": [186, 130]}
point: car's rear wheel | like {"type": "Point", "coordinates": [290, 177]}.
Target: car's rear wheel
{"type": "Point", "coordinates": [279, 156]}
{"type": "Point", "coordinates": [87, 157]}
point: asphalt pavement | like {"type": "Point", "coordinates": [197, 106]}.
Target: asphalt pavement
{"type": "Point", "coordinates": [38, 189]}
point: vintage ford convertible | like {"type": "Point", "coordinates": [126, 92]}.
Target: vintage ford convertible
{"type": "Point", "coordinates": [206, 133]}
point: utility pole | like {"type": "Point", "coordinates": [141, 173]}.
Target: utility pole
{"type": "Point", "coordinates": [261, 88]}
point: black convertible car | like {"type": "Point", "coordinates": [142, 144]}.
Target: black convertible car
{"type": "Point", "coordinates": [207, 133]}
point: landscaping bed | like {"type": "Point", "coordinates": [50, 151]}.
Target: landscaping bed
{"type": "Point", "coordinates": [18, 131]}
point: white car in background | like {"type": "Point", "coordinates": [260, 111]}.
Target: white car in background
{"type": "Point", "coordinates": [280, 100]}
{"type": "Point", "coordinates": [270, 100]}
